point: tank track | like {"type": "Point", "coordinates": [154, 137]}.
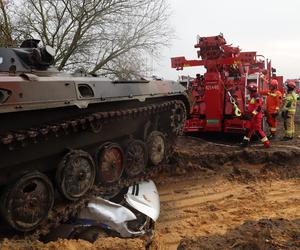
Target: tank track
{"type": "Point", "coordinates": [63, 209]}
{"type": "Point", "coordinates": [92, 121]}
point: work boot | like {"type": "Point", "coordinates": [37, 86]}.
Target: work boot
{"type": "Point", "coordinates": [267, 144]}
{"type": "Point", "coordinates": [272, 136]}
{"type": "Point", "coordinates": [286, 138]}
{"type": "Point", "coordinates": [244, 144]}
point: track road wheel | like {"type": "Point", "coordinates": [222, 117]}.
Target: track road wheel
{"type": "Point", "coordinates": [75, 174]}
{"type": "Point", "coordinates": [110, 163]}
{"type": "Point", "coordinates": [26, 203]}
{"type": "Point", "coordinates": [156, 144]}
{"type": "Point", "coordinates": [136, 157]}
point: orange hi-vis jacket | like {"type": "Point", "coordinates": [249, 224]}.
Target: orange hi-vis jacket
{"type": "Point", "coordinates": [274, 100]}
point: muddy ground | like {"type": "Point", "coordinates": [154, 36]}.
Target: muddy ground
{"type": "Point", "coordinates": [216, 195]}
{"type": "Point", "coordinates": [234, 199]}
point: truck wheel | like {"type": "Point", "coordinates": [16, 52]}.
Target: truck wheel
{"type": "Point", "coordinates": [75, 174]}
{"type": "Point", "coordinates": [26, 203]}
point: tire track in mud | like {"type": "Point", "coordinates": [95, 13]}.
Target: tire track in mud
{"type": "Point", "coordinates": [219, 187]}
{"type": "Point", "coordinates": [197, 211]}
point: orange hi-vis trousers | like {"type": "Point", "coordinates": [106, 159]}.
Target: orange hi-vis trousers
{"type": "Point", "coordinates": [254, 127]}
{"type": "Point", "coordinates": [272, 122]}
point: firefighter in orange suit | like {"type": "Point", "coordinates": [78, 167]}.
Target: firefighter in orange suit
{"type": "Point", "coordinates": [254, 117]}
{"type": "Point", "coordinates": [273, 102]}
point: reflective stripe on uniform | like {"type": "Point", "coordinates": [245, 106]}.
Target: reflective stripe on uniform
{"type": "Point", "coordinates": [264, 139]}
{"type": "Point", "coordinates": [254, 112]}
{"type": "Point", "coordinates": [273, 129]}
{"type": "Point", "coordinates": [246, 138]}
{"type": "Point", "coordinates": [290, 102]}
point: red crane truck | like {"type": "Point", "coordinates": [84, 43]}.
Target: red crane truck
{"type": "Point", "coordinates": [218, 97]}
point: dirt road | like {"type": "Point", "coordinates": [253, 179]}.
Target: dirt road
{"type": "Point", "coordinates": [200, 206]}
{"type": "Point", "coordinates": [206, 202]}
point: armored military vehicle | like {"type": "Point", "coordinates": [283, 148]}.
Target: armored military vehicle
{"type": "Point", "coordinates": [66, 133]}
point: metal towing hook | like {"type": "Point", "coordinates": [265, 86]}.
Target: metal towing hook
{"type": "Point", "coordinates": [237, 111]}
{"type": "Point", "coordinates": [131, 213]}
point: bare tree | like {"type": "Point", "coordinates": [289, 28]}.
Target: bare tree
{"type": "Point", "coordinates": [5, 26]}
{"type": "Point", "coordinates": [94, 33]}
{"type": "Point", "coordinates": [130, 65]}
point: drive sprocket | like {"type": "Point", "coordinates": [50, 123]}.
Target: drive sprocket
{"type": "Point", "coordinates": [178, 118]}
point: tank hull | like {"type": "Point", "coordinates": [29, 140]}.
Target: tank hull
{"type": "Point", "coordinates": [118, 121]}
{"type": "Point", "coordinates": [68, 134]}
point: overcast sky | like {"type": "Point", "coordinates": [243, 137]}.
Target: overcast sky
{"type": "Point", "coordinates": [270, 27]}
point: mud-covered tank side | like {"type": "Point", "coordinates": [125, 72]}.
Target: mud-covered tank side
{"type": "Point", "coordinates": [66, 133]}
